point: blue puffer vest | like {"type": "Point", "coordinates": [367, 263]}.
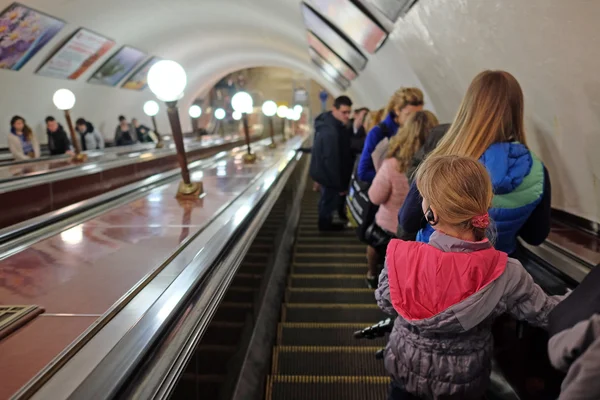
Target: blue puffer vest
{"type": "Point", "coordinates": [518, 182]}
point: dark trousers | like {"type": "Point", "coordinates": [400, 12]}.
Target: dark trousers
{"type": "Point", "coordinates": [328, 204]}
{"type": "Point", "coordinates": [397, 392]}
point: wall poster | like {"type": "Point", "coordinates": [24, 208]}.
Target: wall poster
{"type": "Point", "coordinates": [118, 66]}
{"type": "Point", "coordinates": [24, 32]}
{"type": "Point", "coordinates": [76, 55]}
{"type": "Point", "coordinates": [139, 79]}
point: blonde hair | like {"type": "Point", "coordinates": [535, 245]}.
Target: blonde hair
{"type": "Point", "coordinates": [404, 97]}
{"type": "Point", "coordinates": [374, 118]}
{"type": "Point", "coordinates": [411, 137]}
{"type": "Point", "coordinates": [458, 188]}
{"type": "Point", "coordinates": [490, 112]}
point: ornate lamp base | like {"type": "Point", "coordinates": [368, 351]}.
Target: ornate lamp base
{"type": "Point", "coordinates": [249, 158]}
{"type": "Point", "coordinates": [272, 145]}
{"type": "Point", "coordinates": [79, 158]}
{"type": "Point", "coordinates": [194, 189]}
{"type": "Point", "coordinates": [160, 145]}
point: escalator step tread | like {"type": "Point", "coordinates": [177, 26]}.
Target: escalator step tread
{"type": "Point", "coordinates": [318, 313]}
{"type": "Point", "coordinates": [323, 360]}
{"type": "Point", "coordinates": [329, 257]}
{"type": "Point", "coordinates": [327, 281]}
{"type": "Point", "coordinates": [307, 334]}
{"type": "Point", "coordinates": [327, 387]}
{"type": "Point", "coordinates": [213, 359]}
{"type": "Point", "coordinates": [193, 386]}
{"type": "Point", "coordinates": [330, 269]}
{"type": "Point", "coordinates": [324, 296]}
{"type": "Point", "coordinates": [354, 252]}
{"type": "Point", "coordinates": [237, 295]}
{"type": "Point", "coordinates": [247, 280]}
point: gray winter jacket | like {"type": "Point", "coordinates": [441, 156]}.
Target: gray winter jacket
{"type": "Point", "coordinates": [576, 351]}
{"type": "Point", "coordinates": [448, 353]}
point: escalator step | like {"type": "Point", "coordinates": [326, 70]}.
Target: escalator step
{"type": "Point", "coordinates": [253, 268]}
{"type": "Point", "coordinates": [237, 294]}
{"type": "Point", "coordinates": [333, 269]}
{"type": "Point", "coordinates": [223, 333]}
{"type": "Point", "coordinates": [324, 296]}
{"type": "Point", "coordinates": [329, 257]}
{"type": "Point", "coordinates": [314, 232]}
{"type": "Point", "coordinates": [321, 360]}
{"type": "Point", "coordinates": [213, 359]}
{"type": "Point", "coordinates": [257, 257]}
{"type": "Point", "coordinates": [327, 387]}
{"type": "Point", "coordinates": [299, 334]}
{"type": "Point", "coordinates": [348, 250]}
{"type": "Point", "coordinates": [330, 241]}
{"type": "Point", "coordinates": [233, 312]}
{"type": "Point", "coordinates": [360, 313]}
{"type": "Point", "coordinates": [327, 281]}
{"type": "Point", "coordinates": [247, 280]}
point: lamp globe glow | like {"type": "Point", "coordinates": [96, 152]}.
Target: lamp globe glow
{"type": "Point", "coordinates": [237, 115]}
{"type": "Point", "coordinates": [219, 114]}
{"type": "Point", "coordinates": [282, 111]}
{"type": "Point", "coordinates": [290, 114]}
{"type": "Point", "coordinates": [242, 102]}
{"type": "Point", "coordinates": [298, 109]}
{"type": "Point", "coordinates": [269, 108]}
{"type": "Point", "coordinates": [297, 115]}
{"type": "Point", "coordinates": [64, 99]}
{"type": "Point", "coordinates": [167, 80]}
{"type": "Point", "coordinates": [151, 108]}
{"type": "Point", "coordinates": [195, 111]}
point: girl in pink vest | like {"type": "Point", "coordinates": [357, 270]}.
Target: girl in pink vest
{"type": "Point", "coordinates": [447, 293]}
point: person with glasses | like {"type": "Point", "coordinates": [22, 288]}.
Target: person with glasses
{"type": "Point", "coordinates": [331, 162]}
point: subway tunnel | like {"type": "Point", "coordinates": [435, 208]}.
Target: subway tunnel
{"type": "Point", "coordinates": [111, 286]}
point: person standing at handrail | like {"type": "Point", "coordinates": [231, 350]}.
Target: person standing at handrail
{"type": "Point", "coordinates": [125, 133]}
{"type": "Point", "coordinates": [489, 126]}
{"type": "Point", "coordinates": [402, 104]}
{"type": "Point", "coordinates": [22, 142]}
{"type": "Point", "coordinates": [91, 139]}
{"type": "Point", "coordinates": [58, 140]}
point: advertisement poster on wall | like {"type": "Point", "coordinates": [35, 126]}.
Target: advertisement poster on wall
{"type": "Point", "coordinates": [118, 66]}
{"type": "Point", "coordinates": [24, 32]}
{"type": "Point", "coordinates": [76, 56]}
{"type": "Point", "coordinates": [139, 79]}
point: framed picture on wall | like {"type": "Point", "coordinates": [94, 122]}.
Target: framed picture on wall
{"type": "Point", "coordinates": [334, 39]}
{"type": "Point", "coordinates": [139, 79]}
{"type": "Point", "coordinates": [118, 66]}
{"type": "Point", "coordinates": [77, 54]}
{"type": "Point", "coordinates": [329, 55]}
{"type": "Point", "coordinates": [393, 9]}
{"type": "Point", "coordinates": [354, 22]}
{"type": "Point", "coordinates": [24, 32]}
{"type": "Point", "coordinates": [327, 70]}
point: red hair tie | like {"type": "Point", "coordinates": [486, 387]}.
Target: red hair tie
{"type": "Point", "coordinates": [481, 221]}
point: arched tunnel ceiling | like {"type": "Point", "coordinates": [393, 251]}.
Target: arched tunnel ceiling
{"type": "Point", "coordinates": [549, 45]}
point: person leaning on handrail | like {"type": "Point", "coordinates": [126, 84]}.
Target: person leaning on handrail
{"type": "Point", "coordinates": [22, 142]}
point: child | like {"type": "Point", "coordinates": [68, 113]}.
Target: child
{"type": "Point", "coordinates": [448, 292]}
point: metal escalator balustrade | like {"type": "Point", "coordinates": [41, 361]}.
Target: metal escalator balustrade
{"type": "Point", "coordinates": [326, 300]}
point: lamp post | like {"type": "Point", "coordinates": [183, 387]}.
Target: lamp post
{"type": "Point", "coordinates": [242, 102]}
{"type": "Point", "coordinates": [167, 80]}
{"type": "Point", "coordinates": [64, 100]}
{"type": "Point", "coordinates": [269, 108]}
{"type": "Point", "coordinates": [195, 112]}
{"type": "Point", "coordinates": [290, 115]}
{"type": "Point", "coordinates": [151, 108]}
{"type": "Point", "coordinates": [282, 113]}
{"type": "Point", "coordinates": [220, 115]}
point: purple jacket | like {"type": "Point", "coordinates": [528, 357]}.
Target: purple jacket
{"type": "Point", "coordinates": [449, 352]}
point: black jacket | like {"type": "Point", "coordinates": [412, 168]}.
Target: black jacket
{"type": "Point", "coordinates": [332, 158]}
{"type": "Point", "coordinates": [58, 142]}
{"type": "Point", "coordinates": [357, 140]}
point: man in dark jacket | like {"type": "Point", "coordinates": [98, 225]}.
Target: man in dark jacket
{"type": "Point", "coordinates": [331, 162]}
{"type": "Point", "coordinates": [58, 141]}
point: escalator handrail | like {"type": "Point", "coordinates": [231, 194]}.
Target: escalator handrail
{"type": "Point", "coordinates": [21, 182]}
{"type": "Point", "coordinates": [123, 361]}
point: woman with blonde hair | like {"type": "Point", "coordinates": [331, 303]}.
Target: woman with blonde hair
{"type": "Point", "coordinates": [489, 126]}
{"type": "Point", "coordinates": [390, 186]}
{"type": "Point", "coordinates": [373, 119]}
{"type": "Point", "coordinates": [446, 294]}
{"type": "Point", "coordinates": [402, 104]}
